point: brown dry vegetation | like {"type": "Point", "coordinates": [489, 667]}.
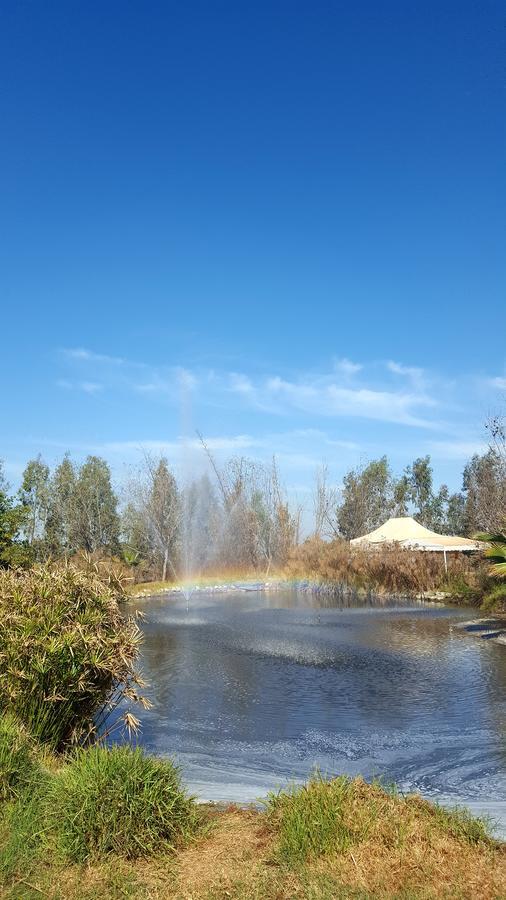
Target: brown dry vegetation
{"type": "Point", "coordinates": [389, 569]}
{"type": "Point", "coordinates": [408, 855]}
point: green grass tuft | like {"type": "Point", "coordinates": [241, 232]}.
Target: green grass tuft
{"type": "Point", "coordinates": [19, 765]}
{"type": "Point", "coordinates": [118, 801]}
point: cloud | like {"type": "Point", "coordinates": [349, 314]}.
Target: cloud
{"type": "Point", "coordinates": [240, 384]}
{"type": "Point", "coordinates": [328, 398]}
{"type": "Point", "coordinates": [498, 382]}
{"type": "Point", "coordinates": [89, 387]}
{"type": "Point", "coordinates": [456, 450]}
{"type": "Point", "coordinates": [83, 355]}
{"type": "Point", "coordinates": [347, 367]}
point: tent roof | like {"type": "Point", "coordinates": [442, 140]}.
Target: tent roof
{"type": "Point", "coordinates": [409, 533]}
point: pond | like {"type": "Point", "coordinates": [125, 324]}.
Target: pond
{"type": "Point", "coordinates": [254, 689]}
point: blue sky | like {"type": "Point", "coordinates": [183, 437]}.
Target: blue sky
{"type": "Point", "coordinates": [290, 214]}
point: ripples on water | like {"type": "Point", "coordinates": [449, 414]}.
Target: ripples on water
{"type": "Point", "coordinates": [250, 690]}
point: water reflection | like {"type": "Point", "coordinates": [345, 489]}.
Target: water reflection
{"type": "Point", "coordinates": [250, 689]}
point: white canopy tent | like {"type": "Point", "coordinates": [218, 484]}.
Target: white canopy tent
{"type": "Point", "coordinates": [407, 532]}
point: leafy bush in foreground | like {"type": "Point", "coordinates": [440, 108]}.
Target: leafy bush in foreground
{"type": "Point", "coordinates": [19, 766]}
{"type": "Point", "coordinates": [117, 800]}
{"type": "Point", "coordinates": [66, 651]}
{"type": "Point", "coordinates": [325, 817]}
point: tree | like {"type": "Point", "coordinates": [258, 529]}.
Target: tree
{"type": "Point", "coordinates": [484, 487]}
{"type": "Point", "coordinates": [419, 477]}
{"type": "Point", "coordinates": [94, 508]}
{"type": "Point", "coordinates": [366, 499]}
{"type": "Point", "coordinates": [152, 519]}
{"type": "Point", "coordinates": [325, 502]}
{"type": "Point", "coordinates": [34, 495]}
{"type": "Point", "coordinates": [60, 532]}
{"type": "Point", "coordinates": [13, 550]}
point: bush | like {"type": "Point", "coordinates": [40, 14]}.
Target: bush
{"type": "Point", "coordinates": [325, 817]}
{"type": "Point", "coordinates": [19, 766]}
{"type": "Point", "coordinates": [495, 599]}
{"type": "Point", "coordinates": [117, 800]}
{"type": "Point", "coordinates": [66, 651]}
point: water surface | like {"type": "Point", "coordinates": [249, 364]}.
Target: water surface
{"type": "Point", "coordinates": [251, 690]}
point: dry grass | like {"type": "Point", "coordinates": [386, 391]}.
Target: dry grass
{"type": "Point", "coordinates": [391, 570]}
{"type": "Point", "coordinates": [239, 859]}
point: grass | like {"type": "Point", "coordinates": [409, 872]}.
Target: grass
{"type": "Point", "coordinates": [199, 581]}
{"type": "Point", "coordinates": [327, 840]}
{"type": "Point", "coordinates": [324, 817]}
{"type": "Point", "coordinates": [495, 599]}
{"type": "Point", "coordinates": [98, 802]}
{"type": "Point", "coordinates": [19, 763]}
{"type": "Point", "coordinates": [117, 801]}
{"type": "Point", "coordinates": [66, 650]}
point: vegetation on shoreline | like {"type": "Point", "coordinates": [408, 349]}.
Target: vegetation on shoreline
{"type": "Point", "coordinates": [81, 821]}
{"type": "Point", "coordinates": [67, 652]}
{"type": "Point", "coordinates": [115, 823]}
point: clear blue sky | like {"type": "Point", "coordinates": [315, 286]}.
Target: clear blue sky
{"type": "Point", "coordinates": [296, 208]}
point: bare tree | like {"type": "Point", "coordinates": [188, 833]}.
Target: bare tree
{"type": "Point", "coordinates": [325, 502]}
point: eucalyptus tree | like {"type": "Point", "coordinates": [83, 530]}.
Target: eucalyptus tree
{"type": "Point", "coordinates": [366, 499]}
{"type": "Point", "coordinates": [34, 495]}
{"type": "Point", "coordinates": [13, 549]}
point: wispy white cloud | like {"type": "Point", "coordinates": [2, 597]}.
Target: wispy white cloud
{"type": "Point", "coordinates": [499, 383]}
{"type": "Point", "coordinates": [328, 398]}
{"type": "Point", "coordinates": [89, 387]}
{"type": "Point", "coordinates": [347, 367]}
{"type": "Point", "coordinates": [456, 449]}
{"type": "Point", "coordinates": [83, 355]}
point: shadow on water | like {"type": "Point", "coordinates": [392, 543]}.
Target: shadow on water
{"type": "Point", "coordinates": [251, 689]}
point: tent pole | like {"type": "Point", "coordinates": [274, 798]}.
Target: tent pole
{"type": "Point", "coordinates": [446, 564]}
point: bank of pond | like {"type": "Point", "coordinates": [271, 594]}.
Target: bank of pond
{"type": "Point", "coordinates": [84, 817]}
{"type": "Point", "coordinates": [108, 823]}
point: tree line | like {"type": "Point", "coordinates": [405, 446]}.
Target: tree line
{"type": "Point", "coordinates": [371, 494]}
{"type": "Point", "coordinates": [240, 519]}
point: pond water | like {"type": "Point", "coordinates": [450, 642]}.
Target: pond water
{"type": "Point", "coordinates": [254, 689]}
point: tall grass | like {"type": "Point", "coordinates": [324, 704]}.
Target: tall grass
{"type": "Point", "coordinates": [324, 817]}
{"type": "Point", "coordinates": [67, 653]}
{"type": "Point", "coordinates": [19, 763]}
{"type": "Point", "coordinates": [117, 800]}
{"type": "Point", "coordinates": [390, 569]}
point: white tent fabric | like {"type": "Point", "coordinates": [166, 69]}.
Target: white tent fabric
{"type": "Point", "coordinates": [407, 532]}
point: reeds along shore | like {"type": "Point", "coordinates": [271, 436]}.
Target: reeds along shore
{"type": "Point", "coordinates": [393, 570]}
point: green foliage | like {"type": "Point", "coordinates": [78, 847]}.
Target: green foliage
{"type": "Point", "coordinates": [495, 599]}
{"type": "Point", "coordinates": [310, 819]}
{"type": "Point", "coordinates": [19, 764]}
{"type": "Point", "coordinates": [34, 495]}
{"type": "Point", "coordinates": [324, 817]}
{"type": "Point", "coordinates": [117, 800]}
{"type": "Point", "coordinates": [484, 485]}
{"type": "Point", "coordinates": [366, 499]}
{"type": "Point", "coordinates": [66, 651]}
{"type": "Point", "coordinates": [496, 552]}
{"type": "Point", "coordinates": [14, 551]}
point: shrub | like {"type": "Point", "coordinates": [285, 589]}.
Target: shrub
{"type": "Point", "coordinates": [117, 800]}
{"type": "Point", "coordinates": [66, 651]}
{"type": "Point", "coordinates": [325, 817]}
{"type": "Point", "coordinates": [19, 766]}
{"type": "Point", "coordinates": [495, 599]}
